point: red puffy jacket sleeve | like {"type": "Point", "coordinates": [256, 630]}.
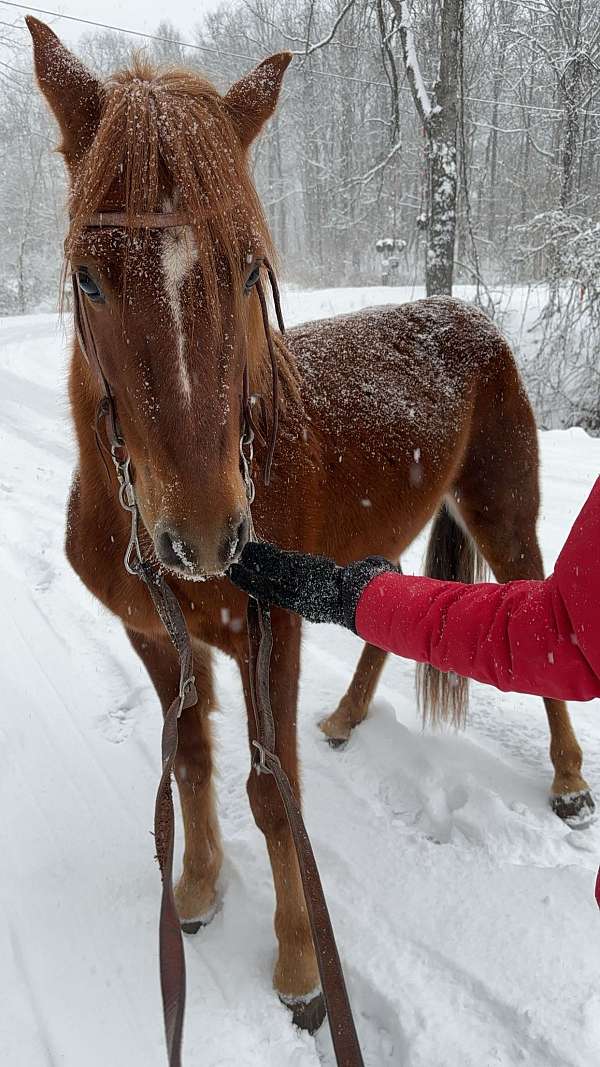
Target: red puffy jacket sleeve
{"type": "Point", "coordinates": [539, 637]}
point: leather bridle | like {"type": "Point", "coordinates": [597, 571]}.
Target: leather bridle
{"type": "Point", "coordinates": [265, 760]}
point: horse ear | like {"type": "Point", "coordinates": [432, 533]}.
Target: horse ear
{"type": "Point", "coordinates": [73, 93]}
{"type": "Point", "coordinates": [252, 100]}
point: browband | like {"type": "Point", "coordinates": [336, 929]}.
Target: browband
{"type": "Point", "coordinates": [148, 221]}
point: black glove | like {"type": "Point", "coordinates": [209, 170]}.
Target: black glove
{"type": "Point", "coordinates": [312, 586]}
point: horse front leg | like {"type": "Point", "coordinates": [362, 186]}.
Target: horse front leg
{"type": "Point", "coordinates": [196, 891]}
{"type": "Point", "coordinates": [296, 975]}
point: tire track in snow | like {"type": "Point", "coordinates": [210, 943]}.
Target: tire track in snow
{"type": "Point", "coordinates": [46, 1044]}
{"type": "Point", "coordinates": [514, 1023]}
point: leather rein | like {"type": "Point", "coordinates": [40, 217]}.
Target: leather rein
{"type": "Point", "coordinates": [260, 640]}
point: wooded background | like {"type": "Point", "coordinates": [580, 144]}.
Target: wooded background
{"type": "Point", "coordinates": [344, 162]}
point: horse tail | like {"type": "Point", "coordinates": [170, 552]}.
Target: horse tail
{"type": "Point", "coordinates": [452, 556]}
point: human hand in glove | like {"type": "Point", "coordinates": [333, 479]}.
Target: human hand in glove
{"type": "Point", "coordinates": [312, 586]}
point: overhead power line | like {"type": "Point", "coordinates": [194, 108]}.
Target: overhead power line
{"type": "Point", "coordinates": [557, 112]}
{"type": "Point", "coordinates": [123, 29]}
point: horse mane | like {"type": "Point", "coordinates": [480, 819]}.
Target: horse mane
{"type": "Point", "coordinates": [165, 134]}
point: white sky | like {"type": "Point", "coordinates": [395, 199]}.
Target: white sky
{"type": "Point", "coordinates": [130, 14]}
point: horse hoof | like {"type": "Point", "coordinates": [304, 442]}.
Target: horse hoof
{"type": "Point", "coordinates": [337, 742]}
{"type": "Point", "coordinates": [576, 809]}
{"type": "Point", "coordinates": [191, 926]}
{"type": "Point", "coordinates": [335, 730]}
{"type": "Point", "coordinates": [308, 1014]}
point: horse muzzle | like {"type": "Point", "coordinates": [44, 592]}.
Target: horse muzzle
{"type": "Point", "coordinates": [194, 556]}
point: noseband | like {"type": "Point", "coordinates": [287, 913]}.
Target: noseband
{"type": "Point", "coordinates": [265, 760]}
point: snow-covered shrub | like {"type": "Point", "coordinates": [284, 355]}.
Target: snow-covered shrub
{"type": "Point", "coordinates": [564, 378]}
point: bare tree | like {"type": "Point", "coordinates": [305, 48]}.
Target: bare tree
{"type": "Point", "coordinates": [437, 112]}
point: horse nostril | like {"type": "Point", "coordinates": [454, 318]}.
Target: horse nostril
{"type": "Point", "coordinates": [233, 545]}
{"type": "Point", "coordinates": [171, 549]}
{"type": "Point", "coordinates": [243, 533]}
{"type": "Point", "coordinates": [164, 548]}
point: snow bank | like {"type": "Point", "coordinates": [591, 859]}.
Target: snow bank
{"type": "Point", "coordinates": [464, 909]}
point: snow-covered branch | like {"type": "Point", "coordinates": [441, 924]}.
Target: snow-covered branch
{"type": "Point", "coordinates": [409, 52]}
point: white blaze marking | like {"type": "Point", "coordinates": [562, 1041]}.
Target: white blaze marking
{"type": "Point", "coordinates": [179, 255]}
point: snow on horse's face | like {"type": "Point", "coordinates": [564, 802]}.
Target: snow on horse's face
{"type": "Point", "coordinates": [173, 312]}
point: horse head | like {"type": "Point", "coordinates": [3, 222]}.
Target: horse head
{"type": "Point", "coordinates": [173, 309]}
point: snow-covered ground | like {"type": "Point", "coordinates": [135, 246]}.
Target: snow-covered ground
{"type": "Point", "coordinates": [463, 908]}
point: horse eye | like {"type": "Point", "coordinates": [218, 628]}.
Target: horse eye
{"type": "Point", "coordinates": [88, 286]}
{"type": "Point", "coordinates": [252, 278]}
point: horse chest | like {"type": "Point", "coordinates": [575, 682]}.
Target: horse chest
{"type": "Point", "coordinates": [216, 618]}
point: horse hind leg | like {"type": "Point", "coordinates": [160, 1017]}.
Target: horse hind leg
{"type": "Point", "coordinates": [507, 538]}
{"type": "Point", "coordinates": [451, 555]}
{"type": "Point", "coordinates": [354, 705]}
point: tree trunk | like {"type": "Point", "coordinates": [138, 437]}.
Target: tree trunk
{"type": "Point", "coordinates": [438, 116]}
{"type": "Point", "coordinates": [571, 89]}
{"type": "Point", "coordinates": [441, 156]}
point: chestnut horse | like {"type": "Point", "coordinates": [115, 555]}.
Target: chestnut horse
{"type": "Point", "coordinates": [387, 418]}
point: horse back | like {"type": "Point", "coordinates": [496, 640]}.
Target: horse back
{"type": "Point", "coordinates": [394, 394]}
{"type": "Point", "coordinates": [393, 362]}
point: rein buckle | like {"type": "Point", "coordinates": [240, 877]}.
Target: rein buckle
{"type": "Point", "coordinates": [260, 764]}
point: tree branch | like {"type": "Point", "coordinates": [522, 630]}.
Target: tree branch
{"type": "Point", "coordinates": [326, 40]}
{"type": "Point", "coordinates": [413, 70]}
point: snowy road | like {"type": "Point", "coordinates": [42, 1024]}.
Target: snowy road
{"type": "Point", "coordinates": [463, 908]}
